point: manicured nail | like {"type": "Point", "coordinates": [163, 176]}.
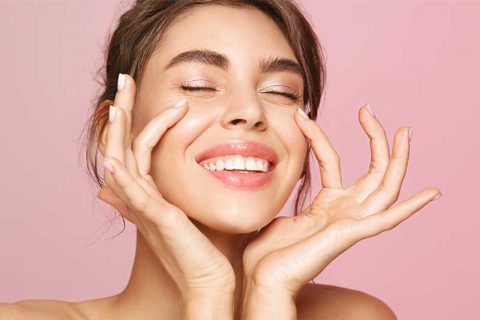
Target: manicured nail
{"type": "Point", "coordinates": [437, 196]}
{"type": "Point", "coordinates": [302, 113]}
{"type": "Point", "coordinates": [108, 165]}
{"type": "Point", "coordinates": [180, 103]}
{"type": "Point", "coordinates": [122, 81]}
{"type": "Point", "coordinates": [370, 110]}
{"type": "Point", "coordinates": [410, 133]}
{"type": "Point", "coordinates": [112, 113]}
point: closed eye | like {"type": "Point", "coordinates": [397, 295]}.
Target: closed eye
{"type": "Point", "coordinates": [291, 96]}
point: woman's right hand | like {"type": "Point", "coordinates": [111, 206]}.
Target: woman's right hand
{"type": "Point", "coordinates": [192, 261]}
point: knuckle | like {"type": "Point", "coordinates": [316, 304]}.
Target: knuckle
{"type": "Point", "coordinates": [336, 157]}
{"type": "Point", "coordinates": [109, 181]}
{"type": "Point", "coordinates": [137, 148]}
{"type": "Point", "coordinates": [385, 223]}
{"type": "Point", "coordinates": [128, 187]}
{"type": "Point", "coordinates": [386, 190]}
{"type": "Point", "coordinates": [137, 144]}
{"type": "Point", "coordinates": [141, 202]}
{"type": "Point", "coordinates": [396, 196]}
{"type": "Point", "coordinates": [388, 225]}
{"type": "Point", "coordinates": [147, 204]}
{"type": "Point", "coordinates": [374, 169]}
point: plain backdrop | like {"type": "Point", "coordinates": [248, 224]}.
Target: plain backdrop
{"type": "Point", "coordinates": [415, 62]}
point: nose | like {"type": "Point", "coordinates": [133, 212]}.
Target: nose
{"type": "Point", "coordinates": [244, 113]}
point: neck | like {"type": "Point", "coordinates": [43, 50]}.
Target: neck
{"type": "Point", "coordinates": [151, 290]}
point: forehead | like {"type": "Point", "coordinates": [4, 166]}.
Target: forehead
{"type": "Point", "coordinates": [242, 34]}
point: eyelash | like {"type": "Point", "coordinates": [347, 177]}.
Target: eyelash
{"type": "Point", "coordinates": [291, 96]}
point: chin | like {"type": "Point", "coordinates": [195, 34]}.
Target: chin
{"type": "Point", "coordinates": [229, 222]}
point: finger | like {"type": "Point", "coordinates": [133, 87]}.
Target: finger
{"type": "Point", "coordinates": [114, 147]}
{"type": "Point", "coordinates": [115, 140]}
{"type": "Point", "coordinates": [107, 195]}
{"type": "Point", "coordinates": [143, 205]}
{"type": "Point", "coordinates": [114, 143]}
{"type": "Point", "coordinates": [125, 99]}
{"type": "Point", "coordinates": [380, 154]}
{"type": "Point", "coordinates": [148, 138]}
{"type": "Point", "coordinates": [390, 218]}
{"type": "Point", "coordinates": [335, 239]}
{"type": "Point", "coordinates": [327, 157]}
{"type": "Point", "coordinates": [389, 189]}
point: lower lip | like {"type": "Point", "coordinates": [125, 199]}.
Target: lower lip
{"type": "Point", "coordinates": [243, 180]}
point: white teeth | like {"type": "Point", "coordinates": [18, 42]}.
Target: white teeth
{"type": "Point", "coordinates": [251, 164]}
{"type": "Point", "coordinates": [237, 162]}
{"type": "Point", "coordinates": [263, 165]}
{"type": "Point", "coordinates": [220, 165]}
{"type": "Point", "coordinates": [212, 166]}
{"type": "Point", "coordinates": [229, 164]}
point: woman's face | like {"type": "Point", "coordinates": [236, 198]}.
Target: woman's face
{"type": "Point", "coordinates": [241, 103]}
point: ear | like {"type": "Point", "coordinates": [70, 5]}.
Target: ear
{"type": "Point", "coordinates": [103, 139]}
{"type": "Point", "coordinates": [102, 113]}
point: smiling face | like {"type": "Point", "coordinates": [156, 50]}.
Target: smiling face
{"type": "Point", "coordinates": [242, 101]}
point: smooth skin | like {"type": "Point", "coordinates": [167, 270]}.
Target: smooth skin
{"type": "Point", "coordinates": [183, 264]}
{"type": "Point", "coordinates": [278, 261]}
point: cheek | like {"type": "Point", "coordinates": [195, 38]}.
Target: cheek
{"type": "Point", "coordinates": [295, 144]}
{"type": "Point", "coordinates": [172, 158]}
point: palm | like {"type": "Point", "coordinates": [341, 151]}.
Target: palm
{"type": "Point", "coordinates": [290, 251]}
{"type": "Point", "coordinates": [279, 243]}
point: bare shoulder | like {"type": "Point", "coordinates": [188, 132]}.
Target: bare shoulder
{"type": "Point", "coordinates": [321, 301]}
{"type": "Point", "coordinates": [40, 309]}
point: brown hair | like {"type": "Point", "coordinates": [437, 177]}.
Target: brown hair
{"type": "Point", "coordinates": [139, 31]}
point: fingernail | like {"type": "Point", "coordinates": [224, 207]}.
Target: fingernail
{"type": "Point", "coordinates": [180, 103]}
{"type": "Point", "coordinates": [108, 165]}
{"type": "Point", "coordinates": [112, 113]}
{"type": "Point", "coordinates": [410, 133]}
{"type": "Point", "coordinates": [437, 196]}
{"type": "Point", "coordinates": [370, 110]}
{"type": "Point", "coordinates": [122, 81]}
{"type": "Point", "coordinates": [302, 113]}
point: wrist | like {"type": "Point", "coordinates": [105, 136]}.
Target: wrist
{"type": "Point", "coordinates": [209, 305]}
{"type": "Point", "coordinates": [262, 303]}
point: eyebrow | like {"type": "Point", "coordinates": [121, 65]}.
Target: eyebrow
{"type": "Point", "coordinates": [216, 59]}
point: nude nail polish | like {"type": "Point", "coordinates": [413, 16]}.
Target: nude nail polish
{"type": "Point", "coordinates": [302, 113]}
{"type": "Point", "coordinates": [437, 196]}
{"type": "Point", "coordinates": [121, 82]}
{"type": "Point", "coordinates": [112, 113]}
{"type": "Point", "coordinates": [370, 110]}
{"type": "Point", "coordinates": [410, 133]}
{"type": "Point", "coordinates": [179, 103]}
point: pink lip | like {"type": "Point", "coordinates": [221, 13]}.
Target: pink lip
{"type": "Point", "coordinates": [240, 147]}
{"type": "Point", "coordinates": [247, 149]}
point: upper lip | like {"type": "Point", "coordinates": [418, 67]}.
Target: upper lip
{"type": "Point", "coordinates": [240, 147]}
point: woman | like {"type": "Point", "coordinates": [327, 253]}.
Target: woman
{"type": "Point", "coordinates": [211, 108]}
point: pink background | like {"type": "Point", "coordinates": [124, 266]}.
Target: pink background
{"type": "Point", "coordinates": [416, 63]}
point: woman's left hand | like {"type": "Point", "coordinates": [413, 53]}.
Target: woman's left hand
{"type": "Point", "coordinates": [291, 251]}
